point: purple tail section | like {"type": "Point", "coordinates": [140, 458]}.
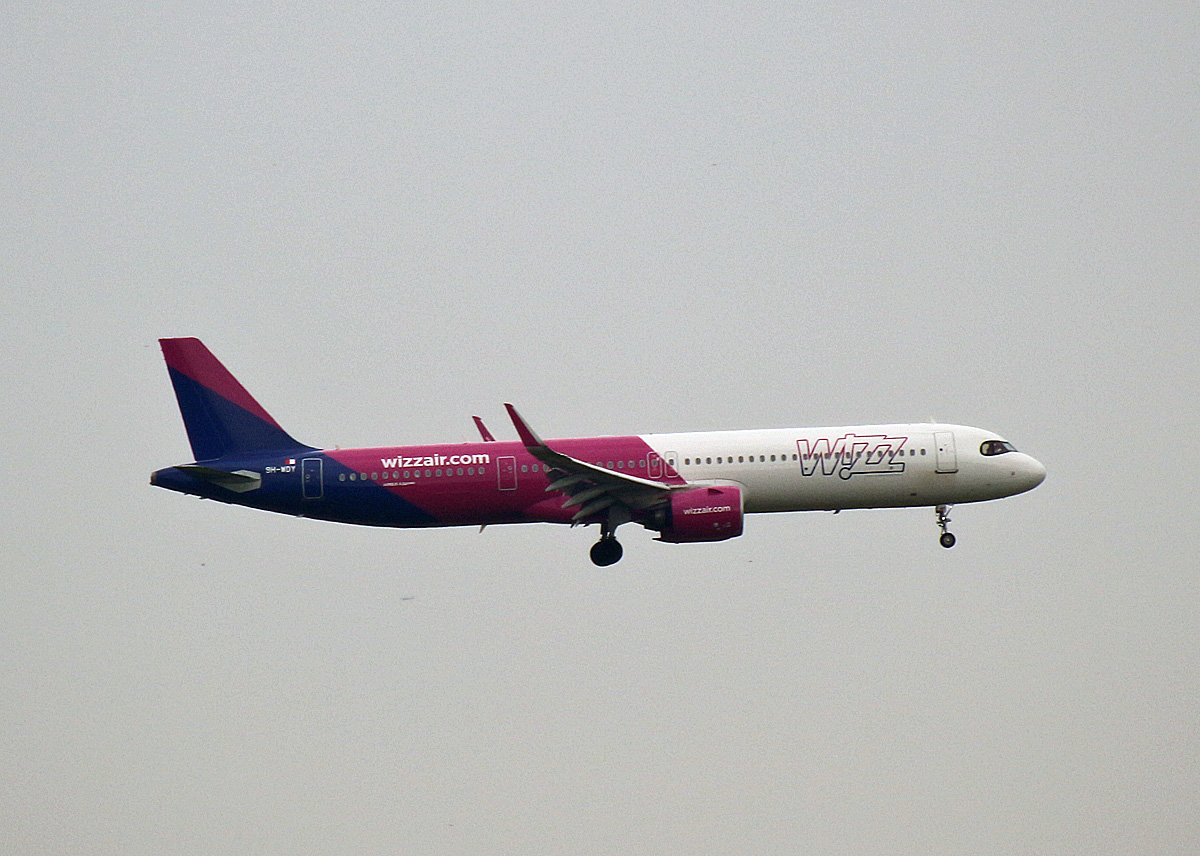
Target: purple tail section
{"type": "Point", "coordinates": [221, 417]}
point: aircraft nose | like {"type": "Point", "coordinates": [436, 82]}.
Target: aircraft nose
{"type": "Point", "coordinates": [1032, 473]}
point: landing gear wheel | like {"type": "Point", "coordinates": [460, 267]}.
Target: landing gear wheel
{"type": "Point", "coordinates": [607, 551]}
{"type": "Point", "coordinates": [943, 520]}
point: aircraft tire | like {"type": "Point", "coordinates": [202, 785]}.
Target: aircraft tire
{"type": "Point", "coordinates": [607, 551]}
{"type": "Point", "coordinates": [947, 540]}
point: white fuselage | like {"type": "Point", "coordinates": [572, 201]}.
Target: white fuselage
{"type": "Point", "coordinates": [856, 466]}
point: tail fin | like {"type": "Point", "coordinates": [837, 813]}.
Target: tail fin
{"type": "Point", "coordinates": [221, 418]}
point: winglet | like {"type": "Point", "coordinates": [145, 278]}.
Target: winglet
{"type": "Point", "coordinates": [528, 437]}
{"type": "Point", "coordinates": [483, 431]}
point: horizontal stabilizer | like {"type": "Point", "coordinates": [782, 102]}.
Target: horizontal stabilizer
{"type": "Point", "coordinates": [238, 481]}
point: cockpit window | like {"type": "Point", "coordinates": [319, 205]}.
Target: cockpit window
{"type": "Point", "coordinates": [996, 447]}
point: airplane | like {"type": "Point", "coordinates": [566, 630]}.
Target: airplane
{"type": "Point", "coordinates": [687, 487]}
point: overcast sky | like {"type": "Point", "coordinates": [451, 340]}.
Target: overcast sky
{"type": "Point", "coordinates": [385, 218]}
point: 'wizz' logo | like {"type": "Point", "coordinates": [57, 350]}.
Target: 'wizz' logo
{"type": "Point", "coordinates": [852, 455]}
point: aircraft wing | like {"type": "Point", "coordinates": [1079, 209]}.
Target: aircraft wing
{"type": "Point", "coordinates": [592, 488]}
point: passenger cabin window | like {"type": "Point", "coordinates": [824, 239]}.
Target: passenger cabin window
{"type": "Point", "coordinates": [995, 447]}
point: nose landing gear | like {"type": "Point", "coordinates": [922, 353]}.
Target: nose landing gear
{"type": "Point", "coordinates": [943, 520]}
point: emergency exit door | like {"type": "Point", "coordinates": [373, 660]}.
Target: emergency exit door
{"type": "Point", "coordinates": [506, 472]}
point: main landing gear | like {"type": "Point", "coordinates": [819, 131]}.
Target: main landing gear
{"type": "Point", "coordinates": [943, 520]}
{"type": "Point", "coordinates": [607, 551]}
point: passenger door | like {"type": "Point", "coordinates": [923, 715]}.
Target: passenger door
{"type": "Point", "coordinates": [310, 478]}
{"type": "Point", "coordinates": [947, 459]}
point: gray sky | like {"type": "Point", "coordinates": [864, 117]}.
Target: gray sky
{"type": "Point", "coordinates": [385, 218]}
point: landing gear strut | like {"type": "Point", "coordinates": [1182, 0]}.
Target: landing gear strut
{"type": "Point", "coordinates": [943, 520]}
{"type": "Point", "coordinates": [607, 551]}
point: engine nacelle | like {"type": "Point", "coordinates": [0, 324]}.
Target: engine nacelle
{"type": "Point", "coordinates": [703, 514]}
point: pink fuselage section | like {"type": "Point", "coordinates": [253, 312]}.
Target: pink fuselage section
{"type": "Point", "coordinates": [481, 483]}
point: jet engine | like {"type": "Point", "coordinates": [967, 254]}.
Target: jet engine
{"type": "Point", "coordinates": [710, 513]}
